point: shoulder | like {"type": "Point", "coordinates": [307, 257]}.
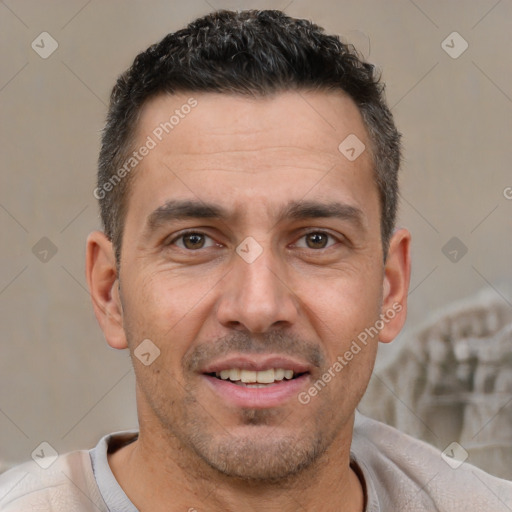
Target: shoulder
{"type": "Point", "coordinates": [67, 484]}
{"type": "Point", "coordinates": [406, 472]}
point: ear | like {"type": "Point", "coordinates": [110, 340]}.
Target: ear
{"type": "Point", "coordinates": [104, 288]}
{"type": "Point", "coordinates": [397, 272]}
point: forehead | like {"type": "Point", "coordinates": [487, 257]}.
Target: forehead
{"type": "Point", "coordinates": [246, 151]}
{"type": "Point", "coordinates": [189, 124]}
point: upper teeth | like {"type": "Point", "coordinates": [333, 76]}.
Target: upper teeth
{"type": "Point", "coordinates": [263, 377]}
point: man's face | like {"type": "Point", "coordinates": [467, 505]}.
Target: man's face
{"type": "Point", "coordinates": [251, 244]}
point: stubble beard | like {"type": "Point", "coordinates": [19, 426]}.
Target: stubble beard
{"type": "Point", "coordinates": [266, 454]}
{"type": "Point", "coordinates": [262, 446]}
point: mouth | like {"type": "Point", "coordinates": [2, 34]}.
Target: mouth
{"type": "Point", "coordinates": [256, 379]}
{"type": "Point", "coordinates": [257, 382]}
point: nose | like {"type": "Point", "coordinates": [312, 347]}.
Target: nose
{"type": "Point", "coordinates": [257, 296]}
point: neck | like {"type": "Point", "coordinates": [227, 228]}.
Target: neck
{"type": "Point", "coordinates": [156, 471]}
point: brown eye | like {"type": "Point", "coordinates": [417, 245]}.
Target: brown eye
{"type": "Point", "coordinates": [317, 240]}
{"type": "Point", "coordinates": [193, 241]}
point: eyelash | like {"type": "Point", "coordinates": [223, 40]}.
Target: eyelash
{"type": "Point", "coordinates": [196, 232]}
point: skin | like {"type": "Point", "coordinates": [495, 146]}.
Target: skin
{"type": "Point", "coordinates": [305, 297]}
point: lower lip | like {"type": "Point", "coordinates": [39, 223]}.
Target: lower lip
{"type": "Point", "coordinates": [272, 395]}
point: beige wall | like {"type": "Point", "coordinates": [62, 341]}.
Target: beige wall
{"type": "Point", "coordinates": [58, 380]}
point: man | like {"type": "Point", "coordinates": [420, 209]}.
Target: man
{"type": "Point", "coordinates": [249, 262]}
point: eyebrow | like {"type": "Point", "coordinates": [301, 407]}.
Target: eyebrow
{"type": "Point", "coordinates": [175, 210]}
{"type": "Point", "coordinates": [302, 210]}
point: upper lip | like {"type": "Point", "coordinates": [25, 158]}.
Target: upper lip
{"type": "Point", "coordinates": [257, 363]}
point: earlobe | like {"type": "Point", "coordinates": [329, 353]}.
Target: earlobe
{"type": "Point", "coordinates": [102, 280]}
{"type": "Point", "coordinates": [397, 272]}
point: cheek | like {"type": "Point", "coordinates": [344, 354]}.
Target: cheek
{"type": "Point", "coordinates": [350, 343]}
{"type": "Point", "coordinates": [345, 314]}
{"type": "Point", "coordinates": [159, 300]}
{"type": "Point", "coordinates": [345, 303]}
{"type": "Point", "coordinates": [167, 309]}
{"type": "Point", "coordinates": [150, 310]}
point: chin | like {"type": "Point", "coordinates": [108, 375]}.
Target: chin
{"type": "Point", "coordinates": [264, 456]}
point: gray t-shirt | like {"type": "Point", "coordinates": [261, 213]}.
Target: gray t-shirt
{"type": "Point", "coordinates": [110, 490]}
{"type": "Point", "coordinates": [400, 474]}
{"type": "Point", "coordinates": [117, 501]}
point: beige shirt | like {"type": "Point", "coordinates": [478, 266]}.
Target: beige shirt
{"type": "Point", "coordinates": [401, 474]}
